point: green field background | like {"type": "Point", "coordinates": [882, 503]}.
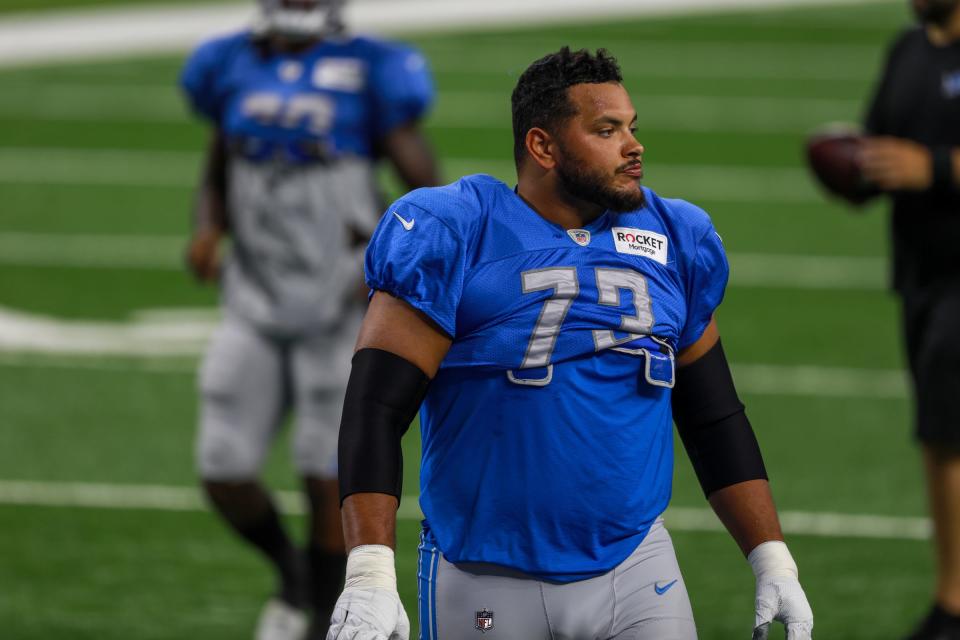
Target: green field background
{"type": "Point", "coordinates": [36, 6]}
{"type": "Point", "coordinates": [724, 101]}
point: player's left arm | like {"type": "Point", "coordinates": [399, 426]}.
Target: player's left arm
{"type": "Point", "coordinates": [726, 457]}
{"type": "Point", "coordinates": [411, 155]}
{"type": "Point", "coordinates": [402, 90]}
{"type": "Point", "coordinates": [898, 164]}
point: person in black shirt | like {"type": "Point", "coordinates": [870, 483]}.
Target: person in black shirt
{"type": "Point", "coordinates": [913, 154]}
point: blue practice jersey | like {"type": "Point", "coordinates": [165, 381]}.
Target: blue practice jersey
{"type": "Point", "coordinates": [547, 433]}
{"type": "Point", "coordinates": [337, 97]}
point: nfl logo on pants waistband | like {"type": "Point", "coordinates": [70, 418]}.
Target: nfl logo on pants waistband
{"type": "Point", "coordinates": [484, 620]}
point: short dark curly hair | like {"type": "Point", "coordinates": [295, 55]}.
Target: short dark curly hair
{"type": "Point", "coordinates": [540, 97]}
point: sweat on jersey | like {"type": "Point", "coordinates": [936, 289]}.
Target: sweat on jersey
{"type": "Point", "coordinates": [547, 432]}
{"type": "Point", "coordinates": [302, 131]}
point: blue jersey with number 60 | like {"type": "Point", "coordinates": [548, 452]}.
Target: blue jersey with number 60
{"type": "Point", "coordinates": [303, 131]}
{"type": "Point", "coordinates": [547, 432]}
{"type": "Point", "coordinates": [338, 97]}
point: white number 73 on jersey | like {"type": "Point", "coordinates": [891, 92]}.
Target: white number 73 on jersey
{"type": "Point", "coordinates": [566, 287]}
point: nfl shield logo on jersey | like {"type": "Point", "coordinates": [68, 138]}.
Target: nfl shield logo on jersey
{"type": "Point", "coordinates": [580, 236]}
{"type": "Point", "coordinates": [484, 620]}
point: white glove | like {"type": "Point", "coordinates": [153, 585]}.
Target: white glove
{"type": "Point", "coordinates": [369, 607]}
{"type": "Point", "coordinates": [779, 594]}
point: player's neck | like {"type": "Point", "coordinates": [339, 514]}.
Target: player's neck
{"type": "Point", "coordinates": [946, 34]}
{"type": "Point", "coordinates": [280, 45]}
{"type": "Point", "coordinates": [552, 203]}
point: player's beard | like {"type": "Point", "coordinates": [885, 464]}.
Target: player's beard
{"type": "Point", "coordinates": [579, 179]}
{"type": "Point", "coordinates": [935, 12]}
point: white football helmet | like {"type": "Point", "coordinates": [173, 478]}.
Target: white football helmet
{"type": "Point", "coordinates": [299, 19]}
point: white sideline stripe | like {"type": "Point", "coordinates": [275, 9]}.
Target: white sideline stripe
{"type": "Point", "coordinates": [98, 33]}
{"type": "Point", "coordinates": [180, 169]}
{"type": "Point", "coordinates": [166, 253]}
{"type": "Point", "coordinates": [189, 499]}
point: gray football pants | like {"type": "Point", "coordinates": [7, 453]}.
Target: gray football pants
{"type": "Point", "coordinates": [248, 383]}
{"type": "Point", "coordinates": [642, 598]}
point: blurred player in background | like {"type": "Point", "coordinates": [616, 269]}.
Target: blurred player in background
{"type": "Point", "coordinates": [539, 326]}
{"type": "Point", "coordinates": [914, 155]}
{"type": "Point", "coordinates": [300, 112]}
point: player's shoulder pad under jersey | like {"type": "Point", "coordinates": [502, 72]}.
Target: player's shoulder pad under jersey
{"type": "Point", "coordinates": [460, 205]}
{"type": "Point", "coordinates": [685, 213]}
{"type": "Point", "coordinates": [420, 250]}
{"type": "Point", "coordinates": [204, 70]}
{"type": "Point", "coordinates": [689, 224]}
{"type": "Point", "coordinates": [450, 214]}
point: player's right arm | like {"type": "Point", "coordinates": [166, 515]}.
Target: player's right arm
{"type": "Point", "coordinates": [398, 351]}
{"type": "Point", "coordinates": [210, 221]}
{"type": "Point", "coordinates": [204, 85]}
{"type": "Point", "coordinates": [393, 326]}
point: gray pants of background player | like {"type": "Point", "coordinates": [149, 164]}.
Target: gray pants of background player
{"type": "Point", "coordinates": [642, 598]}
{"type": "Point", "coordinates": [250, 380]}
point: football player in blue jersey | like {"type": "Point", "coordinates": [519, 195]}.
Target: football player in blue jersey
{"type": "Point", "coordinates": [549, 335]}
{"type": "Point", "coordinates": [301, 112]}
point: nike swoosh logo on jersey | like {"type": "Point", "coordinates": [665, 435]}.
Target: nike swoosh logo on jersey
{"type": "Point", "coordinates": [662, 590]}
{"type": "Point", "coordinates": [406, 225]}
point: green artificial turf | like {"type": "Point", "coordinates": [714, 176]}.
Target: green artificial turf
{"type": "Point", "coordinates": [98, 163]}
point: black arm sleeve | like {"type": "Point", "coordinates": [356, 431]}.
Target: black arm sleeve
{"type": "Point", "coordinates": [383, 396]}
{"type": "Point", "coordinates": [713, 425]}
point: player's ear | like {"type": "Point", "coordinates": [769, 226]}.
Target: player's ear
{"type": "Point", "coordinates": [541, 147]}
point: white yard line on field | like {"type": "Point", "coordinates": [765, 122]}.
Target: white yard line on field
{"type": "Point", "coordinates": [111, 32]}
{"type": "Point", "coordinates": [791, 271]}
{"type": "Point", "coordinates": [697, 60]}
{"type": "Point", "coordinates": [166, 253]}
{"type": "Point", "coordinates": [92, 251]}
{"type": "Point", "coordinates": [128, 167]}
{"type": "Point", "coordinates": [820, 382]}
{"type": "Point", "coordinates": [715, 183]}
{"type": "Point", "coordinates": [169, 342]}
{"type": "Point", "coordinates": [455, 109]}
{"type": "Point", "coordinates": [188, 499]}
{"type": "Point", "coordinates": [145, 336]}
{"type": "Point", "coordinates": [813, 523]}
{"type": "Point", "coordinates": [685, 113]}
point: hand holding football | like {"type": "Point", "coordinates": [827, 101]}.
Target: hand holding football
{"type": "Point", "coordinates": [834, 157]}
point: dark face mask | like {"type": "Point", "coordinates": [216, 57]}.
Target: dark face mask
{"type": "Point", "coordinates": [935, 12]}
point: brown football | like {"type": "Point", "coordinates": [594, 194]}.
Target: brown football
{"type": "Point", "coordinates": [834, 158]}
